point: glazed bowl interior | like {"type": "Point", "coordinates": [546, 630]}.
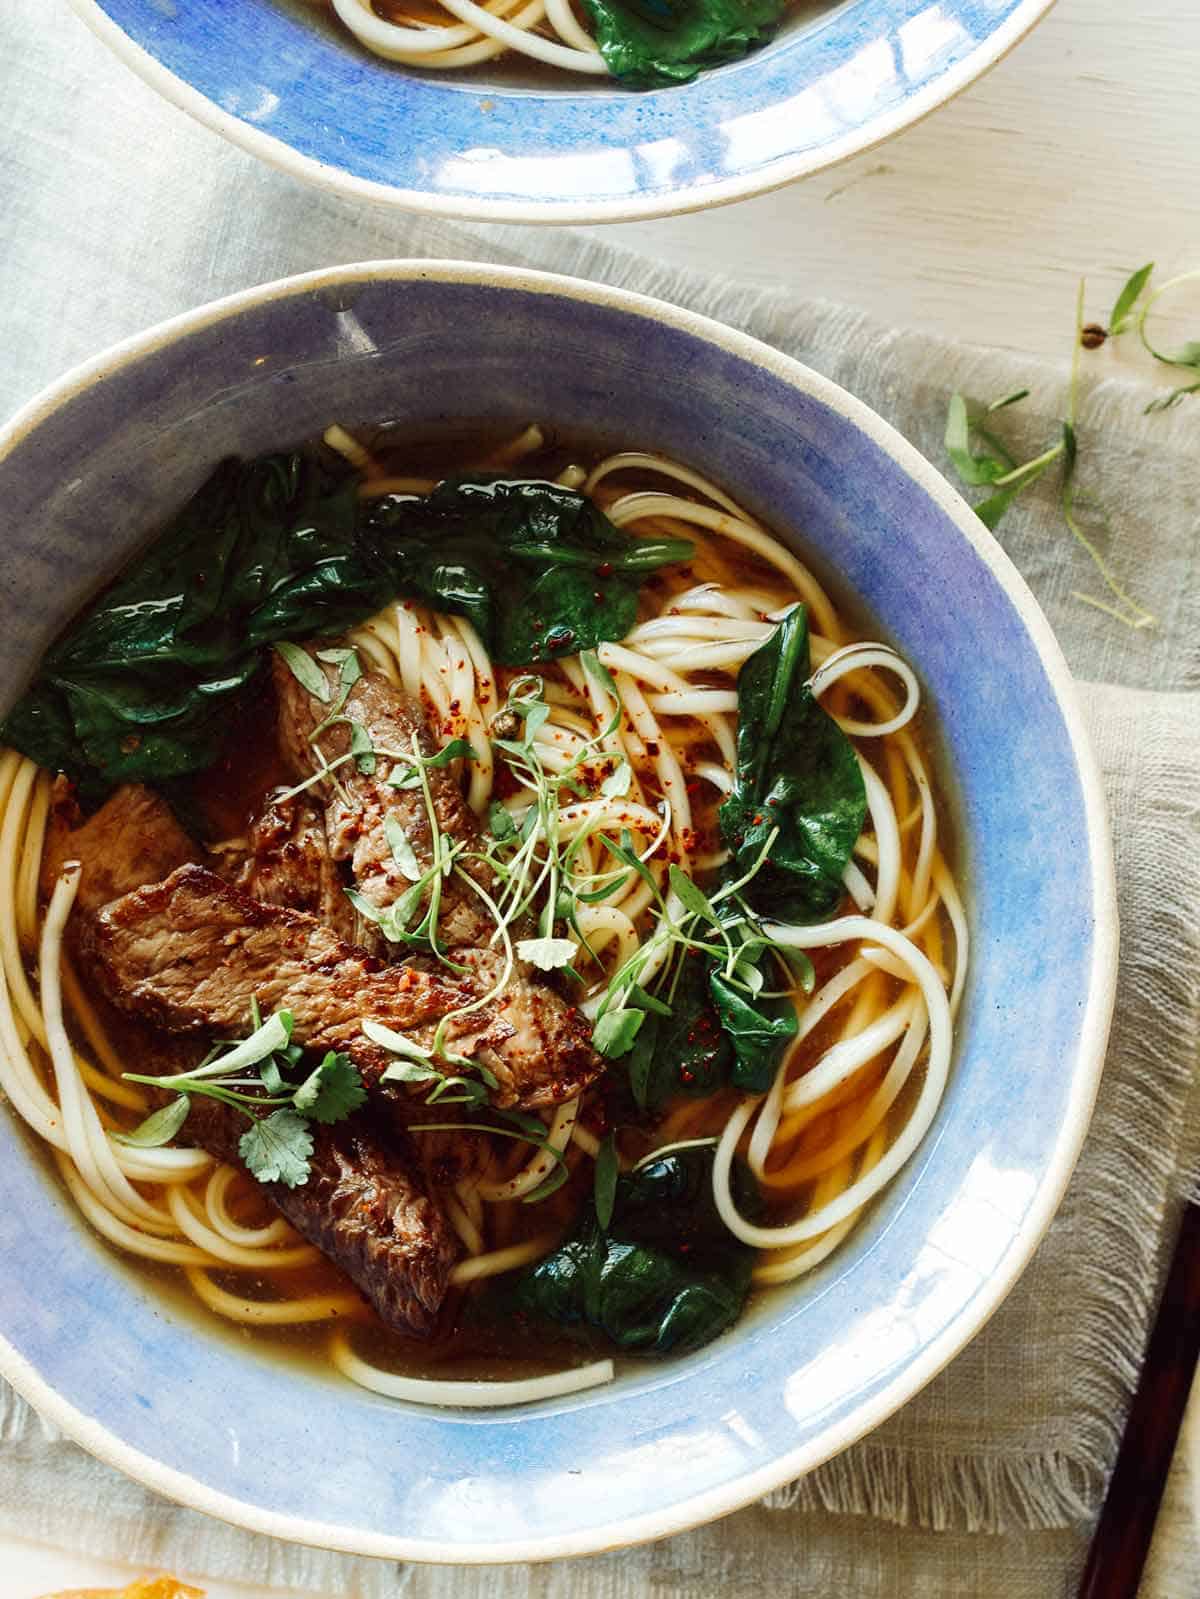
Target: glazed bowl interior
{"type": "Point", "coordinates": [513, 144]}
{"type": "Point", "coordinates": [91, 468]}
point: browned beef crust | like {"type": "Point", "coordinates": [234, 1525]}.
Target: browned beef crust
{"type": "Point", "coordinates": [288, 863]}
{"type": "Point", "coordinates": [192, 953]}
{"type": "Point", "coordinates": [364, 1206]}
{"type": "Point", "coordinates": [367, 1204]}
{"type": "Point", "coordinates": [549, 1057]}
{"type": "Point", "coordinates": [132, 839]}
{"type": "Point", "coordinates": [355, 809]}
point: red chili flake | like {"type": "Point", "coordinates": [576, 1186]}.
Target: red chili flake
{"type": "Point", "coordinates": [598, 597]}
{"type": "Point", "coordinates": [685, 1076]}
{"type": "Point", "coordinates": [652, 747]}
{"type": "Point", "coordinates": [456, 706]}
{"type": "Point", "coordinates": [605, 569]}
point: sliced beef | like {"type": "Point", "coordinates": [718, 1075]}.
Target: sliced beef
{"type": "Point", "coordinates": [288, 863]}
{"type": "Point", "coordinates": [356, 806]}
{"type": "Point", "coordinates": [132, 839]}
{"type": "Point", "coordinates": [364, 1206]}
{"type": "Point", "coordinates": [550, 1056]}
{"type": "Point", "coordinates": [367, 1203]}
{"type": "Point", "coordinates": [192, 953]}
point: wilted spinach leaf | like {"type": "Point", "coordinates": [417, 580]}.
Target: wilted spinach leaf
{"type": "Point", "coordinates": [683, 1053]}
{"type": "Point", "coordinates": [278, 548]}
{"type": "Point", "coordinates": [140, 688]}
{"type": "Point", "coordinates": [665, 1275]}
{"type": "Point", "coordinates": [539, 569]}
{"type": "Point", "coordinates": [652, 43]}
{"type": "Point", "coordinates": [796, 771]}
{"type": "Point", "coordinates": [757, 1029]}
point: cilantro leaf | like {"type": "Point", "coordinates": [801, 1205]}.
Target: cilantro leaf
{"type": "Point", "coordinates": [332, 1091]}
{"type": "Point", "coordinates": [277, 1149]}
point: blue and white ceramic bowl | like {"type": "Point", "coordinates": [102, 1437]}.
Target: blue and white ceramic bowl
{"type": "Point", "coordinates": [88, 469]}
{"type": "Point", "coordinates": [839, 78]}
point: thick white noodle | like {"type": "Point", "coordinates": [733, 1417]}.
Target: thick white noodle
{"type": "Point", "coordinates": [887, 842]}
{"type": "Point", "coordinates": [849, 1055]}
{"type": "Point", "coordinates": [399, 43]}
{"type": "Point", "coordinates": [855, 657]}
{"type": "Point", "coordinates": [222, 1249]}
{"type": "Point", "coordinates": [635, 507]}
{"type": "Point", "coordinates": [465, 1395]}
{"type": "Point", "coordinates": [640, 460]}
{"type": "Point", "coordinates": [543, 1162]}
{"type": "Point", "coordinates": [87, 1141]}
{"type": "Point", "coordinates": [844, 930]}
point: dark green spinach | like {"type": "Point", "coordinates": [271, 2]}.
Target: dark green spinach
{"type": "Point", "coordinates": [141, 688]}
{"type": "Point", "coordinates": [654, 43]}
{"type": "Point", "coordinates": [757, 1029]}
{"type": "Point", "coordinates": [665, 1276]}
{"type": "Point", "coordinates": [685, 1052]}
{"type": "Point", "coordinates": [796, 772]}
{"type": "Point", "coordinates": [538, 569]}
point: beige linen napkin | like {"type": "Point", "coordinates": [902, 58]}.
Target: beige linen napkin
{"type": "Point", "coordinates": [118, 211]}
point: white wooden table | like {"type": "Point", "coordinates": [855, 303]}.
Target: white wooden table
{"type": "Point", "coordinates": [1080, 154]}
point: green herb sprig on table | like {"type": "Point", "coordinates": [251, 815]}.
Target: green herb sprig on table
{"type": "Point", "coordinates": [1133, 308]}
{"type": "Point", "coordinates": [253, 1077]}
{"type": "Point", "coordinates": [981, 459]}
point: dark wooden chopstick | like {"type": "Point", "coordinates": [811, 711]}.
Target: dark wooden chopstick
{"type": "Point", "coordinates": [1122, 1538]}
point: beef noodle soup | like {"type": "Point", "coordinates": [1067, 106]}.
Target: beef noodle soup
{"type": "Point", "coordinates": [474, 901]}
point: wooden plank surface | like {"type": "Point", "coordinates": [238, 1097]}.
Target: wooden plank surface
{"type": "Point", "coordinates": [1079, 153]}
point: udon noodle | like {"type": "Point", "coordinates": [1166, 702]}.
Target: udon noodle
{"type": "Point", "coordinates": [448, 35]}
{"type": "Point", "coordinates": [857, 1088]}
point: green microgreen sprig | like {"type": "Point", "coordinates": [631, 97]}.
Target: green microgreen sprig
{"type": "Point", "coordinates": [995, 467]}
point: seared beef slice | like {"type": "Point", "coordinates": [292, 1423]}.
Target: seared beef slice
{"type": "Point", "coordinates": [192, 953]}
{"type": "Point", "coordinates": [366, 1204]}
{"type": "Point", "coordinates": [549, 1056]}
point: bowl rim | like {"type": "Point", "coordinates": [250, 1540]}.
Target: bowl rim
{"type": "Point", "coordinates": [774, 175]}
{"type": "Point", "coordinates": [1093, 1028]}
